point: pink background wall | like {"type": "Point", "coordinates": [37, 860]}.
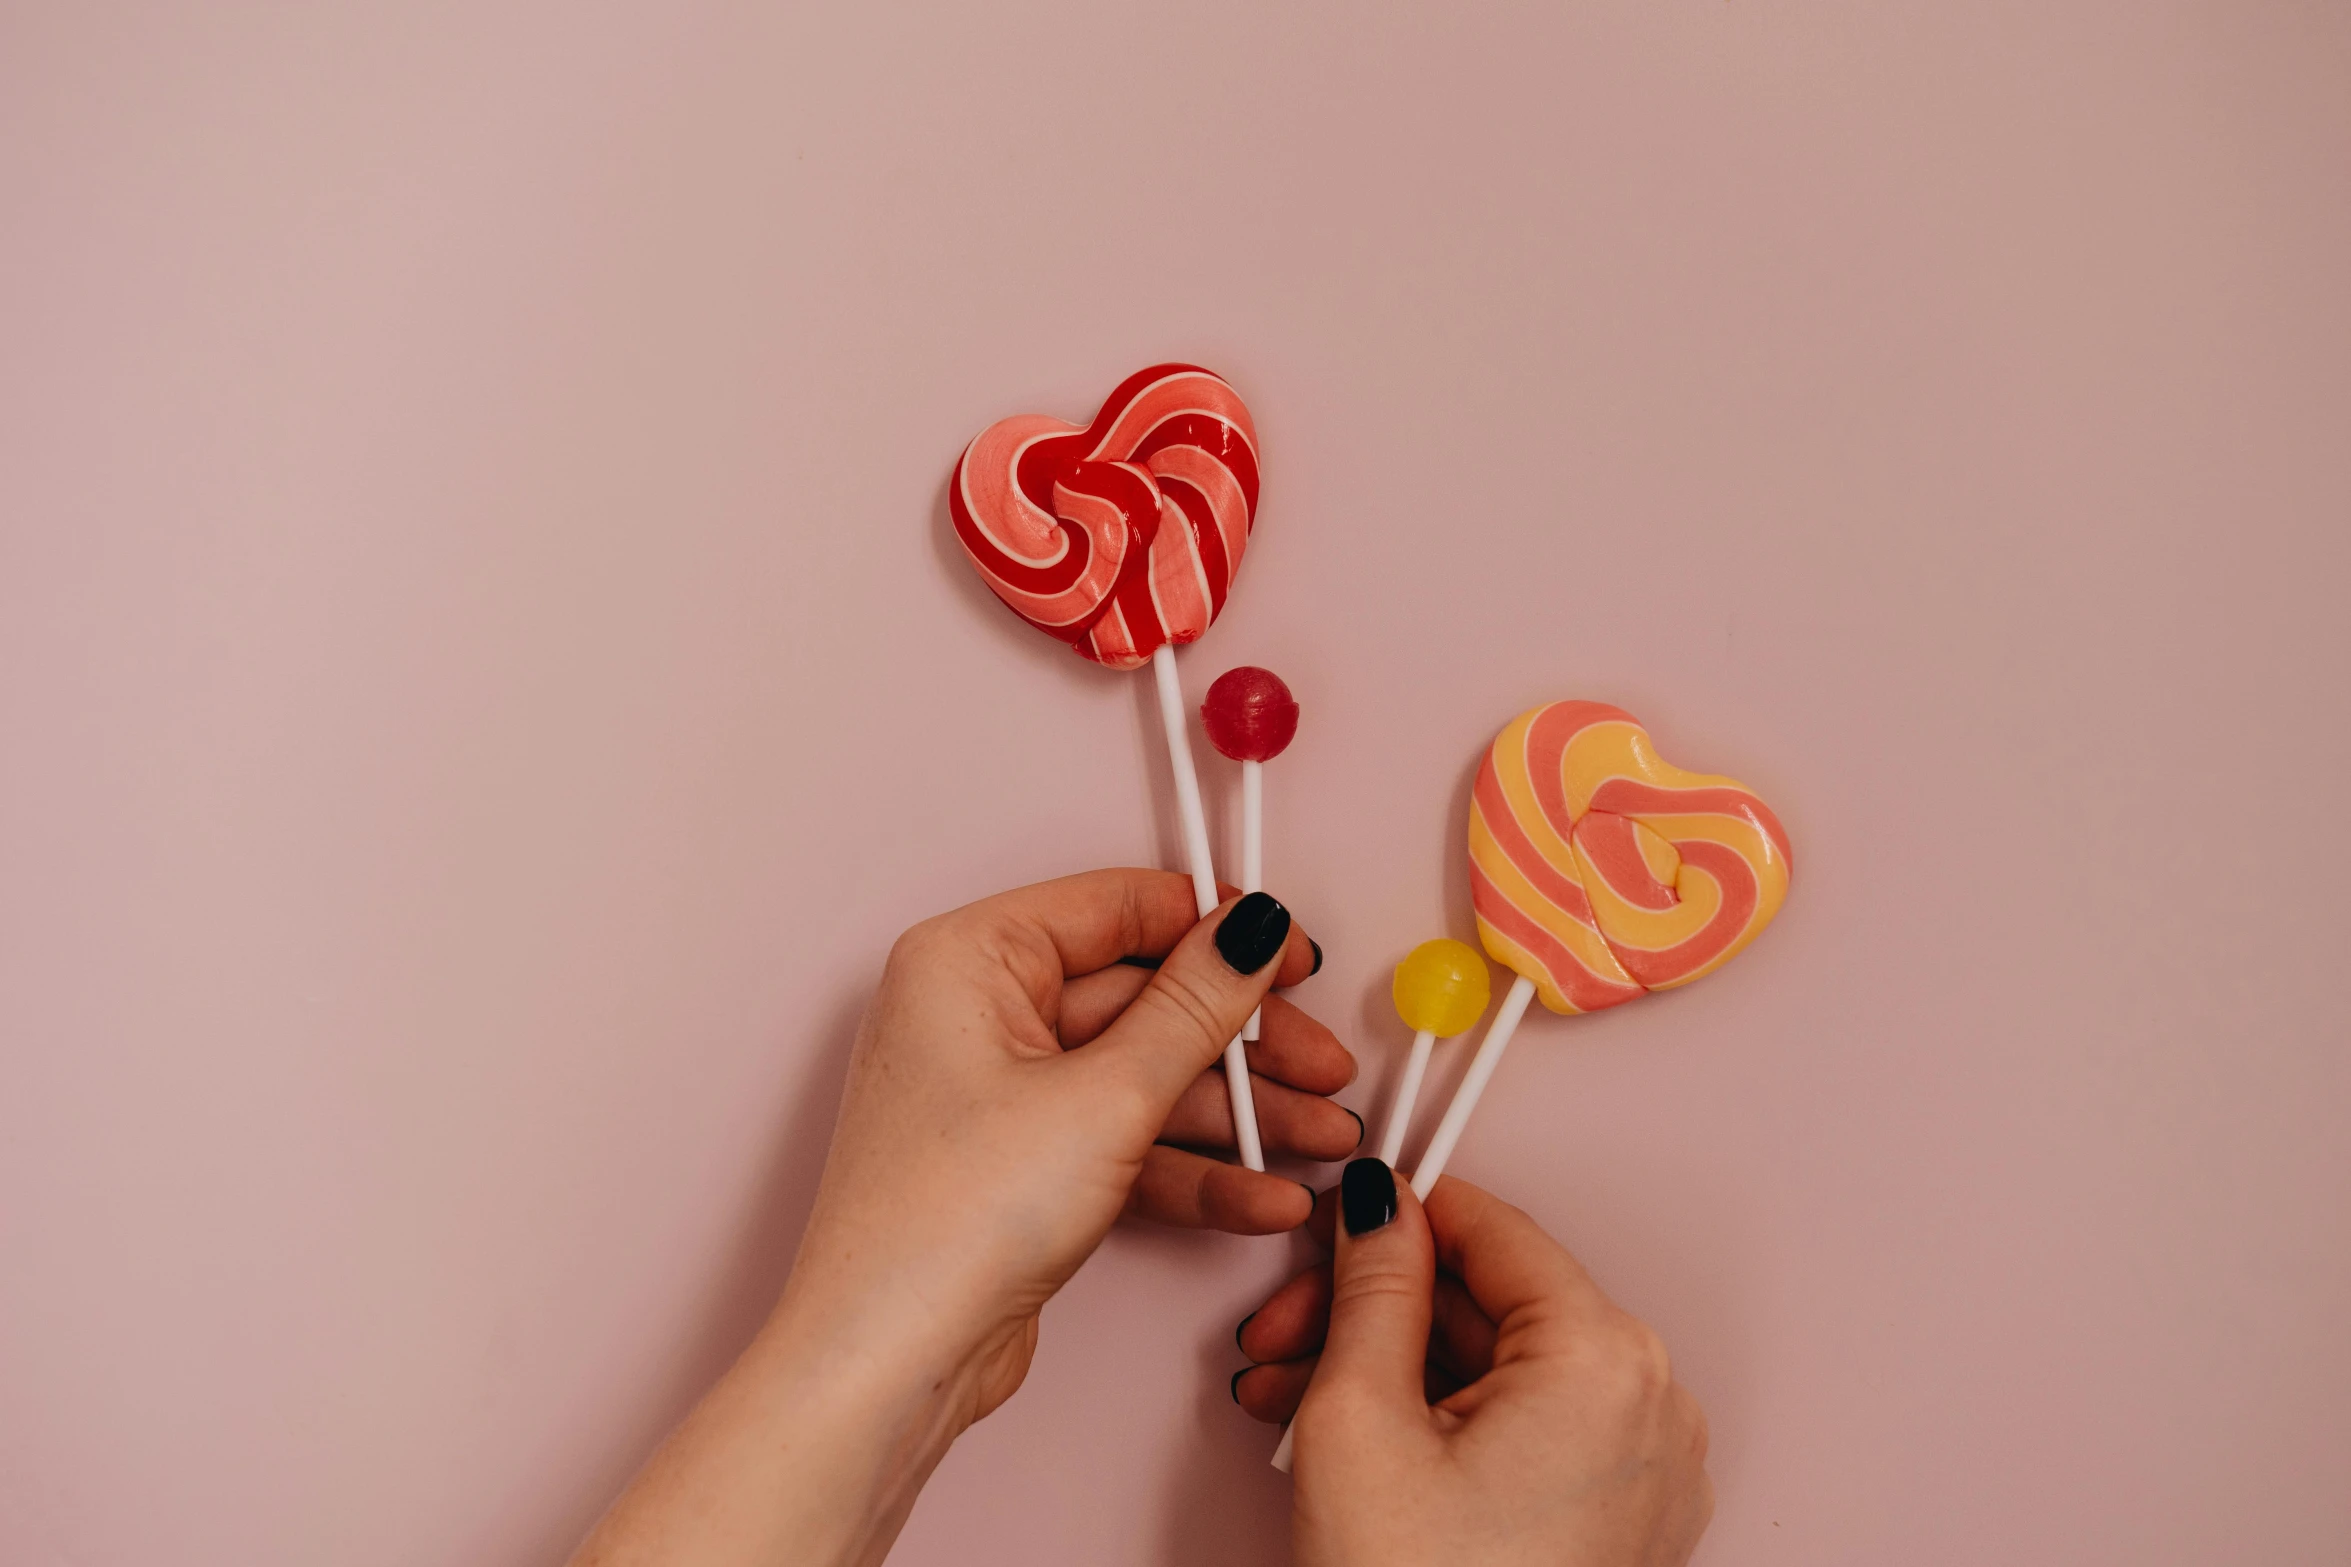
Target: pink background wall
{"type": "Point", "coordinates": [483, 676]}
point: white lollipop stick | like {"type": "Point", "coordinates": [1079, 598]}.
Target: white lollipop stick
{"type": "Point", "coordinates": [1173, 717]}
{"type": "Point", "coordinates": [1465, 1098]}
{"type": "Point", "coordinates": [1416, 1067]}
{"type": "Point", "coordinates": [1252, 850]}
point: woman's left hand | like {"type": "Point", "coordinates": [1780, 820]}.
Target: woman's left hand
{"type": "Point", "coordinates": [1016, 1086]}
{"type": "Point", "coordinates": [1019, 1084]}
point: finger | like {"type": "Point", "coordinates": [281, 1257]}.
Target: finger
{"type": "Point", "coordinates": [1272, 1393]}
{"type": "Point", "coordinates": [1506, 1261]}
{"type": "Point", "coordinates": [1192, 1191]}
{"type": "Point", "coordinates": [1381, 1282]}
{"type": "Point", "coordinates": [1461, 1337]}
{"type": "Point", "coordinates": [1290, 1122]}
{"type": "Point", "coordinates": [1301, 955]}
{"type": "Point", "coordinates": [1323, 1222]}
{"type": "Point", "coordinates": [1291, 1323]}
{"type": "Point", "coordinates": [1097, 918]}
{"type": "Point", "coordinates": [1090, 1003]}
{"type": "Point", "coordinates": [1078, 924]}
{"type": "Point", "coordinates": [1195, 1003]}
{"type": "Point", "coordinates": [1296, 1318]}
{"type": "Point", "coordinates": [1298, 1050]}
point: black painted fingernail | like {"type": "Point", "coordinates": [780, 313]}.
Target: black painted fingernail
{"type": "Point", "coordinates": [1360, 1130]}
{"type": "Point", "coordinates": [1243, 1328]}
{"type": "Point", "coordinates": [1137, 960]}
{"type": "Point", "coordinates": [1252, 933]}
{"type": "Point", "coordinates": [1244, 1371]}
{"type": "Point", "coordinates": [1317, 946]}
{"type": "Point", "coordinates": [1367, 1195]}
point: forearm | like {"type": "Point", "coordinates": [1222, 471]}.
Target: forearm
{"type": "Point", "coordinates": [808, 1453]}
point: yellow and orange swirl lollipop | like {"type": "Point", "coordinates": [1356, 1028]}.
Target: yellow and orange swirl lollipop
{"type": "Point", "coordinates": [1600, 872]}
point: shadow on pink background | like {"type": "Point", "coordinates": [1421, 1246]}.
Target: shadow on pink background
{"type": "Point", "coordinates": [482, 681]}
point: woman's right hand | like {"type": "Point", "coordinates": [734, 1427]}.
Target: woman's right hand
{"type": "Point", "coordinates": [1463, 1392]}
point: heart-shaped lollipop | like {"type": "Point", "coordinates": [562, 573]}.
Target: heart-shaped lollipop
{"type": "Point", "coordinates": [1121, 536]}
{"type": "Point", "coordinates": [1121, 539]}
{"type": "Point", "coordinates": [1600, 872]}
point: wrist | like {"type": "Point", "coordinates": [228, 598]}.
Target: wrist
{"type": "Point", "coordinates": [810, 1450]}
{"type": "Point", "coordinates": [919, 1324]}
{"type": "Point", "coordinates": [894, 1398]}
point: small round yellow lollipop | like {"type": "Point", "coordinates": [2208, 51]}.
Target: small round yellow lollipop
{"type": "Point", "coordinates": [1441, 990]}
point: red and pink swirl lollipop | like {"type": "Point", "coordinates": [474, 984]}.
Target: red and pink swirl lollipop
{"type": "Point", "coordinates": [1121, 538]}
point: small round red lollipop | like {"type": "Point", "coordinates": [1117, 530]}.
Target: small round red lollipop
{"type": "Point", "coordinates": [1250, 714]}
{"type": "Point", "coordinates": [1252, 718]}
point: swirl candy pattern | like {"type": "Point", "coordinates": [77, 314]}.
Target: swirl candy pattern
{"type": "Point", "coordinates": [1124, 535]}
{"type": "Point", "coordinates": [1601, 872]}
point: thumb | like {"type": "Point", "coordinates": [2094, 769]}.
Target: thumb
{"type": "Point", "coordinates": [1195, 1005]}
{"type": "Point", "coordinates": [1381, 1285]}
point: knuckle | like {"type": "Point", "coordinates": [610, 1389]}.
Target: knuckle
{"type": "Point", "coordinates": [916, 944]}
{"type": "Point", "coordinates": [1188, 1005]}
{"type": "Point", "coordinates": [1629, 1366]}
{"type": "Point", "coordinates": [1644, 1352]}
{"type": "Point", "coordinates": [1374, 1283]}
{"type": "Point", "coordinates": [1687, 1433]}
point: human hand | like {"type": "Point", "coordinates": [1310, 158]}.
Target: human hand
{"type": "Point", "coordinates": [1015, 1087]}
{"type": "Point", "coordinates": [1463, 1392]}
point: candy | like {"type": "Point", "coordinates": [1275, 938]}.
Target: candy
{"type": "Point", "coordinates": [1442, 988]}
{"type": "Point", "coordinates": [1252, 718]}
{"type": "Point", "coordinates": [1601, 871]}
{"type": "Point", "coordinates": [1123, 536]}
{"type": "Point", "coordinates": [1121, 539]}
{"type": "Point", "coordinates": [1250, 715]}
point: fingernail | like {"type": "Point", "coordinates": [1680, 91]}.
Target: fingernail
{"type": "Point", "coordinates": [1252, 933]}
{"type": "Point", "coordinates": [1243, 1328]}
{"type": "Point", "coordinates": [1360, 1130]}
{"type": "Point", "coordinates": [1137, 961]}
{"type": "Point", "coordinates": [1317, 946]}
{"type": "Point", "coordinates": [1244, 1371]}
{"type": "Point", "coordinates": [1367, 1195]}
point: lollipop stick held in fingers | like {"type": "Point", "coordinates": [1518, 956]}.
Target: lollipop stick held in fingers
{"type": "Point", "coordinates": [1251, 717]}
{"type": "Point", "coordinates": [1465, 1098]}
{"type": "Point", "coordinates": [1441, 987]}
{"type": "Point", "coordinates": [1195, 821]}
{"type": "Point", "coordinates": [1416, 1067]}
{"type": "Point", "coordinates": [1252, 853]}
